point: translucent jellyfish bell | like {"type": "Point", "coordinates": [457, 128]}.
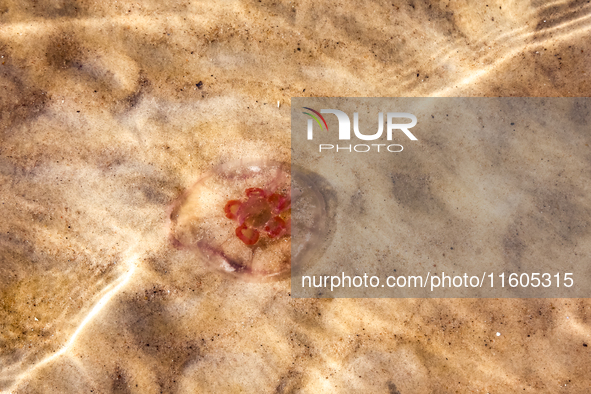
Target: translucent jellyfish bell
{"type": "Point", "coordinates": [238, 218]}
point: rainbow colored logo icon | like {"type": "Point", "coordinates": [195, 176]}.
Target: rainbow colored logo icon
{"type": "Point", "coordinates": [316, 118]}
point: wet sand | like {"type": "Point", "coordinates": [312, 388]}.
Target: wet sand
{"type": "Point", "coordinates": [111, 111]}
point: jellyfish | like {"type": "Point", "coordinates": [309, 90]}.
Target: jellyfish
{"type": "Point", "coordinates": [238, 218]}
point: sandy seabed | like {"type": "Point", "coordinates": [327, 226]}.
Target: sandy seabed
{"type": "Point", "coordinates": [110, 110]}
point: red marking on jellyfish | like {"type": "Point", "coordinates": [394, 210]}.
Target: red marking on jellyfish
{"type": "Point", "coordinates": [275, 227]}
{"type": "Point", "coordinates": [255, 192]}
{"type": "Point", "coordinates": [279, 202]}
{"type": "Point", "coordinates": [248, 235]}
{"type": "Point", "coordinates": [231, 209]}
{"type": "Point", "coordinates": [262, 212]}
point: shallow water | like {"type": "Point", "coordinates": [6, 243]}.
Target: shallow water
{"type": "Point", "coordinates": [111, 111]}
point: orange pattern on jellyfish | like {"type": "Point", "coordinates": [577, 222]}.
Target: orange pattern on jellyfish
{"type": "Point", "coordinates": [260, 213]}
